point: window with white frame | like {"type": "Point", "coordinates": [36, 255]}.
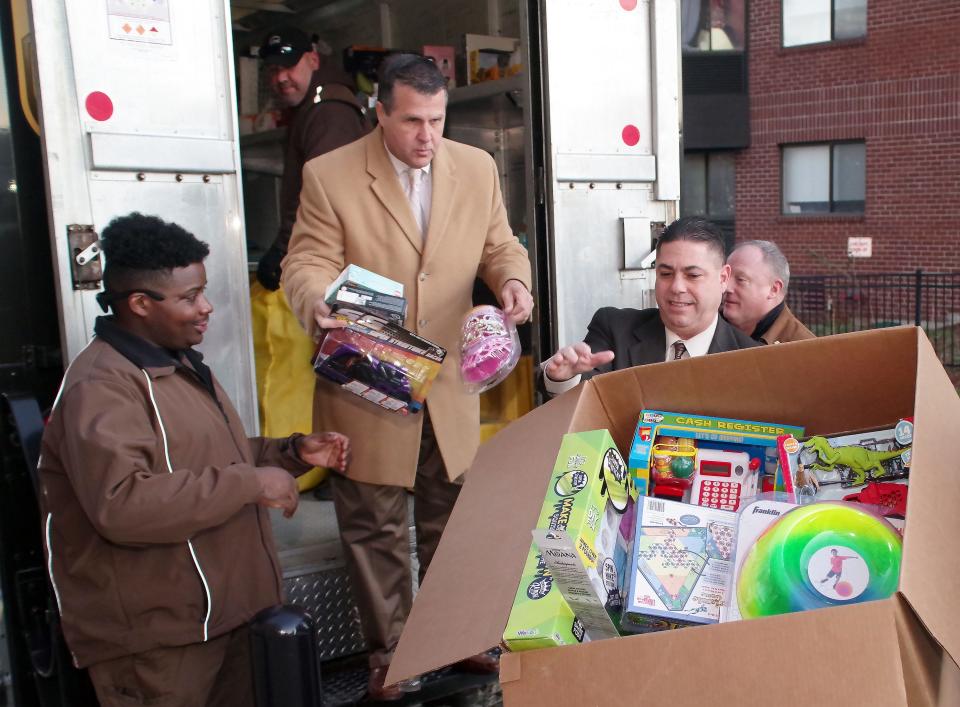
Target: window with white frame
{"type": "Point", "coordinates": [824, 178]}
{"type": "Point", "coordinates": [814, 21]}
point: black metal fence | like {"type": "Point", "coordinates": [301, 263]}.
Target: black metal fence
{"type": "Point", "coordinates": [834, 304]}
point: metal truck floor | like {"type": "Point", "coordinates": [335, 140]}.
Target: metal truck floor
{"type": "Point", "coordinates": [315, 577]}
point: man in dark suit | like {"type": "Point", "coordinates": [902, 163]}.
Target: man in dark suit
{"type": "Point", "coordinates": [691, 279]}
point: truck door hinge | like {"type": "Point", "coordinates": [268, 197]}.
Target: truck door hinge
{"type": "Point", "coordinates": [85, 266]}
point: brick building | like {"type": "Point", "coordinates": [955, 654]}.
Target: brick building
{"type": "Point", "coordinates": [845, 123]}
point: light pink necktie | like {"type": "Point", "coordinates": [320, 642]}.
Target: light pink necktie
{"type": "Point", "coordinates": [415, 195]}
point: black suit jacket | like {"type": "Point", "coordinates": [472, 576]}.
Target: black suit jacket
{"type": "Point", "coordinates": [637, 337]}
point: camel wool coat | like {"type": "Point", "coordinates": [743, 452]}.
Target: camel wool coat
{"type": "Point", "coordinates": [353, 211]}
{"type": "Point", "coordinates": [786, 328]}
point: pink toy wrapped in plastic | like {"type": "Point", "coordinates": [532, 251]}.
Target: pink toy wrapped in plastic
{"type": "Point", "coordinates": [489, 348]}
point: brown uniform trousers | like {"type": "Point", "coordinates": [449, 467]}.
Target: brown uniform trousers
{"type": "Point", "coordinates": [212, 674]}
{"type": "Point", "coordinates": [374, 531]}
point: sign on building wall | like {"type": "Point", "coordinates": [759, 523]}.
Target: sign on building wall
{"type": "Point", "coordinates": [860, 247]}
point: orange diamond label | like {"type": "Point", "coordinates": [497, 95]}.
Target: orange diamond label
{"type": "Point", "coordinates": [126, 28]}
{"type": "Point", "coordinates": [140, 29]}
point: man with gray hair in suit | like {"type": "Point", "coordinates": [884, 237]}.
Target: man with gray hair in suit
{"type": "Point", "coordinates": [755, 299]}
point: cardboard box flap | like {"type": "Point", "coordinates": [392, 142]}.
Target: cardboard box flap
{"type": "Point", "coordinates": [923, 659]}
{"type": "Point", "coordinates": [466, 597]}
{"type": "Point", "coordinates": [929, 575]}
{"type": "Point", "coordinates": [718, 664]}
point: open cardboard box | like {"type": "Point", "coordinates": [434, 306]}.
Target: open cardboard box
{"type": "Point", "coordinates": [899, 651]}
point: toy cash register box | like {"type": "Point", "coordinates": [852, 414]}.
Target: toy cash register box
{"type": "Point", "coordinates": [707, 461]}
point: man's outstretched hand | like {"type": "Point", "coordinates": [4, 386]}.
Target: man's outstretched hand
{"type": "Point", "coordinates": [573, 360]}
{"type": "Point", "coordinates": [327, 449]}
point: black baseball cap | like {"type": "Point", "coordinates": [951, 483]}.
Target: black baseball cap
{"type": "Point", "coordinates": [285, 46]}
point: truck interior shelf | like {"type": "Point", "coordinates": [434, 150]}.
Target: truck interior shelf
{"type": "Point", "coordinates": [488, 89]}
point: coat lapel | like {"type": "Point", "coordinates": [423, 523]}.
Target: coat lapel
{"type": "Point", "coordinates": [443, 177]}
{"type": "Point", "coordinates": [723, 339]}
{"type": "Point", "coordinates": [387, 187]}
{"type": "Point", "coordinates": [650, 343]}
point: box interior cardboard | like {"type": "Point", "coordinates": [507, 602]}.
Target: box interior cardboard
{"type": "Point", "coordinates": [887, 652]}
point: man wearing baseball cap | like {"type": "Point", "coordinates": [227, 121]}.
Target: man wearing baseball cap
{"type": "Point", "coordinates": [325, 115]}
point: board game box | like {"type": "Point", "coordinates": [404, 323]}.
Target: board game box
{"type": "Point", "coordinates": [680, 565]}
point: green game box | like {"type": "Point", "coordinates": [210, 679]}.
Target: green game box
{"type": "Point", "coordinates": [540, 617]}
{"type": "Point", "coordinates": [585, 526]}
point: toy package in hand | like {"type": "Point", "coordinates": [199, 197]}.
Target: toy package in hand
{"type": "Point", "coordinates": [361, 277]}
{"type": "Point", "coordinates": [389, 307]}
{"type": "Point", "coordinates": [489, 348]}
{"type": "Point", "coordinates": [378, 360]}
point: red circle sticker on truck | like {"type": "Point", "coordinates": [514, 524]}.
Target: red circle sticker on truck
{"type": "Point", "coordinates": [628, 4]}
{"type": "Point", "coordinates": [99, 106]}
{"type": "Point", "coordinates": [631, 135]}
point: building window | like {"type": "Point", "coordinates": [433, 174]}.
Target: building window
{"type": "Point", "coordinates": [712, 25]}
{"type": "Point", "coordinates": [813, 21]}
{"type": "Point", "coordinates": [819, 179]}
{"type": "Point", "coordinates": [708, 184]}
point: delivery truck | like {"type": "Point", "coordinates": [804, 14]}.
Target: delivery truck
{"type": "Point", "coordinates": [161, 107]}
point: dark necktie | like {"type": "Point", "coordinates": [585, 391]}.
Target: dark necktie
{"type": "Point", "coordinates": [678, 350]}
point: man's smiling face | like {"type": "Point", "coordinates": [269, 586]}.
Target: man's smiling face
{"type": "Point", "coordinates": [691, 280]}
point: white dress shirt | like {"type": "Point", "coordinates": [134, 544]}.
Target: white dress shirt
{"type": "Point", "coordinates": [696, 345]}
{"type": "Point", "coordinates": [426, 189]}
